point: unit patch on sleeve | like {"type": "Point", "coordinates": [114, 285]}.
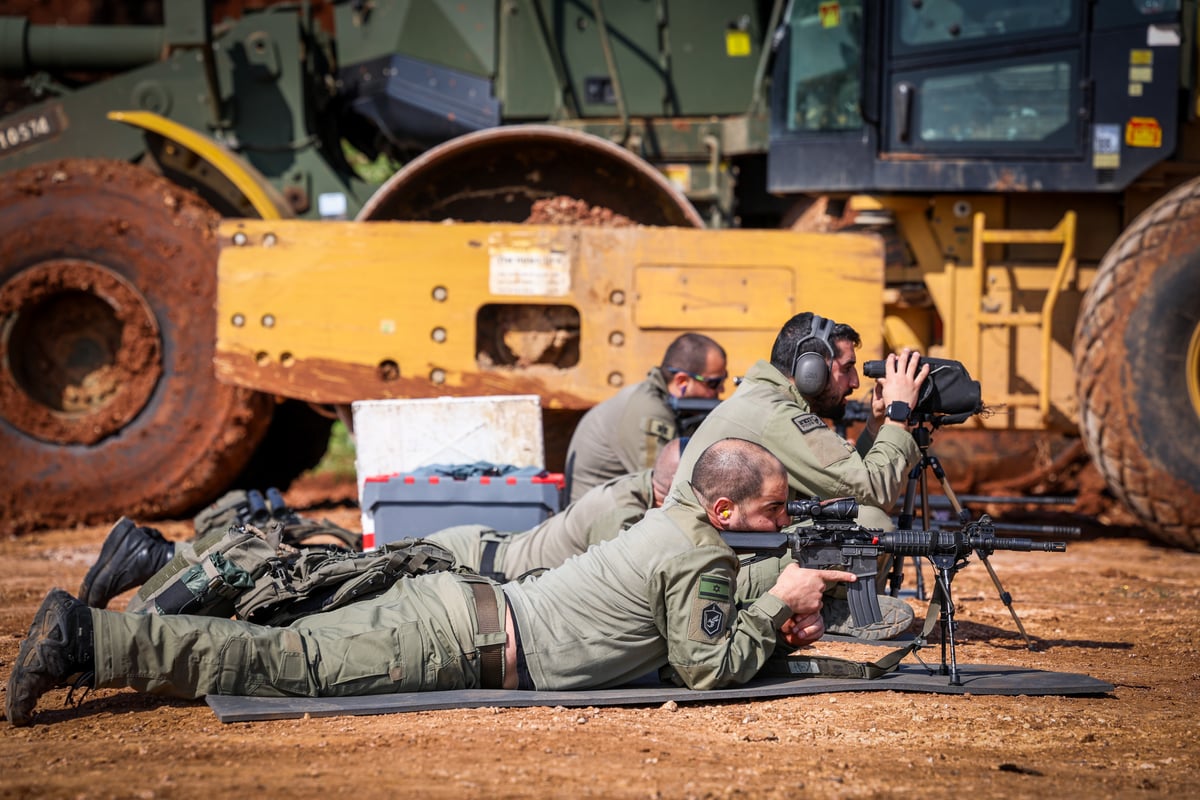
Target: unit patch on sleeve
{"type": "Point", "coordinates": [712, 620]}
{"type": "Point", "coordinates": [710, 608]}
{"type": "Point", "coordinates": [708, 620]}
{"type": "Point", "coordinates": [658, 428]}
{"type": "Point", "coordinates": [808, 422]}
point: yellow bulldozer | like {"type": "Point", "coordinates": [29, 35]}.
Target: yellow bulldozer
{"type": "Point", "coordinates": [1010, 185]}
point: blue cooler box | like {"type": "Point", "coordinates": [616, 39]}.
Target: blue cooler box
{"type": "Point", "coordinates": [406, 505]}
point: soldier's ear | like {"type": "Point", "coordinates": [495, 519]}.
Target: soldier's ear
{"type": "Point", "coordinates": [723, 509]}
{"type": "Point", "coordinates": [678, 385]}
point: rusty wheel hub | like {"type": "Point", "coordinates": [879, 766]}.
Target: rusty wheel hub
{"type": "Point", "coordinates": [80, 352]}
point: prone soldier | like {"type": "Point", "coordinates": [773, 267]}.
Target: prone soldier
{"type": "Point", "coordinates": [659, 595]}
{"type": "Point", "coordinates": [135, 555]}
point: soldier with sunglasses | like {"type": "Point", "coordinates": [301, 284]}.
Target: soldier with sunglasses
{"type": "Point", "coordinates": [626, 432]}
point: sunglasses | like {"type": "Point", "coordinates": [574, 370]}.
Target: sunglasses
{"type": "Point", "coordinates": [712, 383]}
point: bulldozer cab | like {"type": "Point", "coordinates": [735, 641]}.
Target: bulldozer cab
{"type": "Point", "coordinates": [971, 95]}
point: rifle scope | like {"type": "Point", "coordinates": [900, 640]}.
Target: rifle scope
{"type": "Point", "coordinates": [841, 508]}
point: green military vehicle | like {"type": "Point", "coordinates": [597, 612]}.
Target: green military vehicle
{"type": "Point", "coordinates": [1027, 170]}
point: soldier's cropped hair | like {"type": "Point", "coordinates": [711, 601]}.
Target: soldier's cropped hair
{"type": "Point", "coordinates": [733, 468]}
{"type": "Point", "coordinates": [689, 353]}
{"type": "Point", "coordinates": [784, 353]}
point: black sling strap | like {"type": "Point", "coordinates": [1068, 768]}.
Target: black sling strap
{"type": "Point", "coordinates": [798, 666]}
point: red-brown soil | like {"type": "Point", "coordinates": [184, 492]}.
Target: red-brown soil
{"type": "Point", "coordinates": [1122, 610]}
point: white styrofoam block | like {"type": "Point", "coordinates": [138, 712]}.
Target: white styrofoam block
{"type": "Point", "coordinates": [393, 436]}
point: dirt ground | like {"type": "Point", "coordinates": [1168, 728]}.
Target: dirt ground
{"type": "Point", "coordinates": [1122, 610]}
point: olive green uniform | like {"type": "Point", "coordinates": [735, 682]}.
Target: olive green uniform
{"type": "Point", "coordinates": [621, 435]}
{"type": "Point", "coordinates": [602, 513]}
{"type": "Point", "coordinates": [768, 410]}
{"type": "Point", "coordinates": [660, 594]}
{"type": "Point", "coordinates": [419, 635]}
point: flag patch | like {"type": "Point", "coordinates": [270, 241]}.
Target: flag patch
{"type": "Point", "coordinates": [714, 587]}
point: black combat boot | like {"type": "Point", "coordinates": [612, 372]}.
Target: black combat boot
{"type": "Point", "coordinates": [59, 647]}
{"type": "Point", "coordinates": [130, 557]}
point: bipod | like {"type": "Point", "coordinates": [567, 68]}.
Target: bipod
{"type": "Point", "coordinates": [918, 476]}
{"type": "Point", "coordinates": [944, 568]}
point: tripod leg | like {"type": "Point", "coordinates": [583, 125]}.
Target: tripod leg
{"type": "Point", "coordinates": [896, 576]}
{"type": "Point", "coordinates": [963, 517]}
{"type": "Point", "coordinates": [910, 496]}
{"type": "Point", "coordinates": [1005, 598]}
{"type": "Point", "coordinates": [924, 481]}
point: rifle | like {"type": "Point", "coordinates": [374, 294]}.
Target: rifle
{"type": "Point", "coordinates": [835, 541]}
{"type": "Point", "coordinates": [690, 412]}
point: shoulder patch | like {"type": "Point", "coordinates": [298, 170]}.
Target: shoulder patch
{"type": "Point", "coordinates": [712, 608]}
{"type": "Point", "coordinates": [659, 429]}
{"type": "Point", "coordinates": [712, 620]}
{"type": "Point", "coordinates": [713, 587]}
{"type": "Point", "coordinates": [808, 422]}
{"type": "Point", "coordinates": [708, 620]}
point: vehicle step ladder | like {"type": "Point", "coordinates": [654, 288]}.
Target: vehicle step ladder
{"type": "Point", "coordinates": [1062, 234]}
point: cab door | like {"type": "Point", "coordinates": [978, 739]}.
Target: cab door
{"type": "Point", "coordinates": [974, 95]}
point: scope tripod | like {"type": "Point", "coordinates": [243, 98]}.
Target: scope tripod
{"type": "Point", "coordinates": [944, 570]}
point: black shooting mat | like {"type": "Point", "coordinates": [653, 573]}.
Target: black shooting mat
{"type": "Point", "coordinates": [978, 679]}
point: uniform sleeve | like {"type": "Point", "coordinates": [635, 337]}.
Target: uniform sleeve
{"type": "Point", "coordinates": [755, 578]}
{"type": "Point", "coordinates": [712, 643]}
{"type": "Point", "coordinates": [647, 426]}
{"type": "Point", "coordinates": [829, 466]}
{"type": "Point", "coordinates": [864, 442]}
{"type": "Point", "coordinates": [608, 525]}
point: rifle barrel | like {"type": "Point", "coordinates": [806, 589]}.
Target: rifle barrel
{"type": "Point", "coordinates": [1064, 531]}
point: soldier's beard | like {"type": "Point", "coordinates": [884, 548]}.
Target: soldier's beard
{"type": "Point", "coordinates": [829, 405]}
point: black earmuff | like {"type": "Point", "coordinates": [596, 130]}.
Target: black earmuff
{"type": "Point", "coordinates": [810, 369]}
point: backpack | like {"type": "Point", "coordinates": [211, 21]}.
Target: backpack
{"type": "Point", "coordinates": [319, 579]}
{"type": "Point", "coordinates": [254, 574]}
{"type": "Point", "coordinates": [239, 507]}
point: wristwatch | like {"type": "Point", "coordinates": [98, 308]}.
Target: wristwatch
{"type": "Point", "coordinates": [897, 410]}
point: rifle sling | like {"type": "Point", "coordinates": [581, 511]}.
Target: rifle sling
{"type": "Point", "coordinates": [832, 667]}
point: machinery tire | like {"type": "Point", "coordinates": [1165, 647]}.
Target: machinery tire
{"type": "Point", "coordinates": [1137, 355]}
{"type": "Point", "coordinates": [294, 443]}
{"type": "Point", "coordinates": [496, 175]}
{"type": "Point", "coordinates": [108, 400]}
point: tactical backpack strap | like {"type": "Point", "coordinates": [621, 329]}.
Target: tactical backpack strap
{"type": "Point", "coordinates": [490, 627]}
{"type": "Point", "coordinates": [206, 575]}
{"type": "Point", "coordinates": [487, 561]}
{"type": "Point", "coordinates": [317, 579]}
{"type": "Point", "coordinates": [300, 532]}
{"type": "Point", "coordinates": [229, 509]}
